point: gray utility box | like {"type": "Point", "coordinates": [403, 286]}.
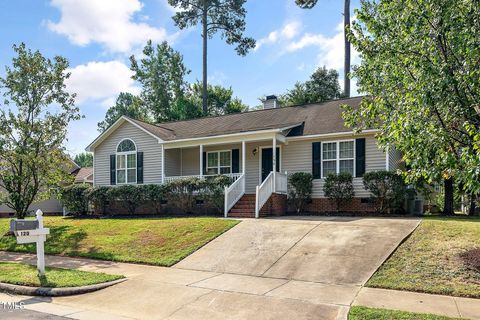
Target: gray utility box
{"type": "Point", "coordinates": [19, 225]}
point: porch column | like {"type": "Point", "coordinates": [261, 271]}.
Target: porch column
{"type": "Point", "coordinates": [163, 164]}
{"type": "Point", "coordinates": [201, 161]}
{"type": "Point", "coordinates": [244, 152]}
{"type": "Point", "coordinates": [243, 157]}
{"type": "Point", "coordinates": [274, 162]}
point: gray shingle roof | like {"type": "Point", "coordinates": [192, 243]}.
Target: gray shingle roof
{"type": "Point", "coordinates": [318, 118]}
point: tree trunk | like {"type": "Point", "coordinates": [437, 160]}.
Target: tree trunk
{"type": "Point", "coordinates": [346, 67]}
{"type": "Point", "coordinates": [473, 205]}
{"type": "Point", "coordinates": [205, 42]}
{"type": "Point", "coordinates": [448, 201]}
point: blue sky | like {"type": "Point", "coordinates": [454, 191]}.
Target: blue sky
{"type": "Point", "coordinates": [98, 36]}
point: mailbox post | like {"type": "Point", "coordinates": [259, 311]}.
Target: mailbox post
{"type": "Point", "coordinates": [32, 231]}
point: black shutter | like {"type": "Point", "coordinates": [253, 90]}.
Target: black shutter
{"type": "Point", "coordinates": [204, 169]}
{"type": "Point", "coordinates": [360, 157]}
{"type": "Point", "coordinates": [316, 152]}
{"type": "Point", "coordinates": [277, 163]}
{"type": "Point", "coordinates": [113, 175]}
{"type": "Point", "coordinates": [139, 167]}
{"type": "Point", "coordinates": [235, 161]}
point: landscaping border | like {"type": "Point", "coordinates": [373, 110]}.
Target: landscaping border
{"type": "Point", "coordinates": [55, 292]}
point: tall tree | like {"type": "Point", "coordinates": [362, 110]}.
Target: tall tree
{"type": "Point", "coordinates": [226, 16]}
{"type": "Point", "coordinates": [309, 4]}
{"type": "Point", "coordinates": [33, 128]}
{"type": "Point", "coordinates": [322, 86]}
{"type": "Point", "coordinates": [84, 159]}
{"type": "Point", "coordinates": [126, 105]}
{"type": "Point", "coordinates": [161, 73]}
{"type": "Point", "coordinates": [220, 99]}
{"type": "Point", "coordinates": [420, 65]}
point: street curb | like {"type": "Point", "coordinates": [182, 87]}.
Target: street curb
{"type": "Point", "coordinates": [55, 292]}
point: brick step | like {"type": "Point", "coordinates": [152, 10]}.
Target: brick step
{"type": "Point", "coordinates": [242, 215]}
{"type": "Point", "coordinates": [245, 206]}
{"type": "Point", "coordinates": [241, 210]}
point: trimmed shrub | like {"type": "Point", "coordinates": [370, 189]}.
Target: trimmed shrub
{"type": "Point", "coordinates": [387, 188]}
{"type": "Point", "coordinates": [155, 193]}
{"type": "Point", "coordinates": [181, 193]}
{"type": "Point", "coordinates": [131, 196]}
{"type": "Point", "coordinates": [339, 188]}
{"type": "Point", "coordinates": [213, 190]}
{"type": "Point", "coordinates": [300, 190]}
{"type": "Point", "coordinates": [75, 198]}
{"type": "Point", "coordinates": [100, 198]}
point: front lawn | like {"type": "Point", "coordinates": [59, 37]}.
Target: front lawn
{"type": "Point", "coordinates": [430, 260]}
{"type": "Point", "coordinates": [364, 313]}
{"type": "Point", "coordinates": [27, 275]}
{"type": "Point", "coordinates": [163, 241]}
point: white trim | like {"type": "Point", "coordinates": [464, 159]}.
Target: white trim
{"type": "Point", "coordinates": [260, 161]}
{"type": "Point", "coordinates": [91, 147]}
{"type": "Point", "coordinates": [218, 161]}
{"type": "Point", "coordinates": [337, 158]}
{"type": "Point", "coordinates": [333, 134]}
{"type": "Point", "coordinates": [116, 148]}
{"type": "Point", "coordinates": [125, 154]}
{"type": "Point", "coordinates": [163, 163]}
{"type": "Point", "coordinates": [201, 161]}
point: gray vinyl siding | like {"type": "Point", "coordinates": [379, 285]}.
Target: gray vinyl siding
{"type": "Point", "coordinates": [173, 158]}
{"type": "Point", "coordinates": [152, 163]}
{"type": "Point", "coordinates": [394, 159]}
{"type": "Point", "coordinates": [297, 157]}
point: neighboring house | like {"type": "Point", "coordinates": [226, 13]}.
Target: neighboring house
{"type": "Point", "coordinates": [53, 206]}
{"type": "Point", "coordinates": [310, 138]}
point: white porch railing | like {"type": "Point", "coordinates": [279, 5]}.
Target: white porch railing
{"type": "Point", "coordinates": [263, 193]}
{"type": "Point", "coordinates": [234, 192]}
{"type": "Point", "coordinates": [281, 182]}
{"type": "Point", "coordinates": [234, 176]}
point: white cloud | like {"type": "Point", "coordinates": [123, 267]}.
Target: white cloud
{"type": "Point", "coordinates": [287, 32]}
{"type": "Point", "coordinates": [101, 82]}
{"type": "Point", "coordinates": [331, 49]}
{"type": "Point", "coordinates": [107, 22]}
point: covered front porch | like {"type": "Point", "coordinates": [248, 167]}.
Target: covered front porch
{"type": "Point", "coordinates": [248, 161]}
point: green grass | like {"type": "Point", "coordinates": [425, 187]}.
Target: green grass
{"type": "Point", "coordinates": [429, 260]}
{"type": "Point", "coordinates": [364, 313]}
{"type": "Point", "coordinates": [27, 275]}
{"type": "Point", "coordinates": [162, 241]}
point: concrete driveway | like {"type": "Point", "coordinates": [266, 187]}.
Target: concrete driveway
{"type": "Point", "coordinates": [290, 268]}
{"type": "Point", "coordinates": [330, 250]}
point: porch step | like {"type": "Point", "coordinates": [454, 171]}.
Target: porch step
{"type": "Point", "coordinates": [244, 208]}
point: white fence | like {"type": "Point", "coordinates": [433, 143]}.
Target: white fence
{"type": "Point", "coordinates": [264, 191]}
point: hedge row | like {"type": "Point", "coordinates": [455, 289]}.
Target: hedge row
{"type": "Point", "coordinates": [183, 193]}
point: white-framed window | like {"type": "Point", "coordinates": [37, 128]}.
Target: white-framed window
{"type": "Point", "coordinates": [338, 156]}
{"type": "Point", "coordinates": [219, 162]}
{"type": "Point", "coordinates": [126, 162]}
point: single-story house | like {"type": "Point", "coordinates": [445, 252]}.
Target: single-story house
{"type": "Point", "coordinates": [309, 138]}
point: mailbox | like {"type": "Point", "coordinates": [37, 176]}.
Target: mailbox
{"type": "Point", "coordinates": [19, 225]}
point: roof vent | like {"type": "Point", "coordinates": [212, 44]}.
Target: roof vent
{"type": "Point", "coordinates": [271, 102]}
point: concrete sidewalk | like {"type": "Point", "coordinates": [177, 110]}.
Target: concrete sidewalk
{"type": "Point", "coordinates": [170, 293]}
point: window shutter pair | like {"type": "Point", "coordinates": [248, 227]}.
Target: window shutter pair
{"type": "Point", "coordinates": [113, 168]}
{"type": "Point", "coordinates": [359, 158]}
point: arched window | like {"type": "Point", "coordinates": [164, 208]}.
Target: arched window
{"type": "Point", "coordinates": [126, 162]}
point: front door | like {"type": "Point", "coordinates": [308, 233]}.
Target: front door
{"type": "Point", "coordinates": [267, 164]}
